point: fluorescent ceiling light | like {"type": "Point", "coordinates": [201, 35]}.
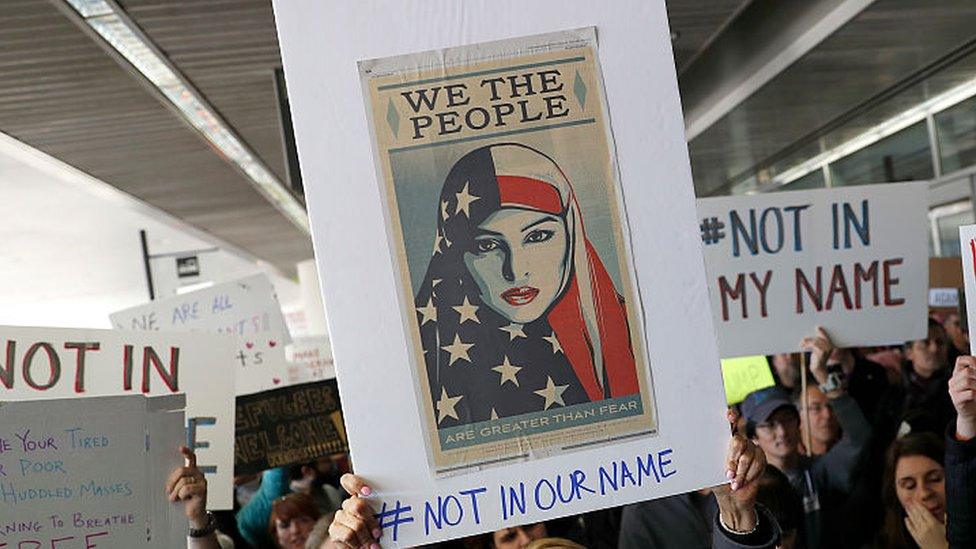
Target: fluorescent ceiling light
{"type": "Point", "coordinates": [877, 133]}
{"type": "Point", "coordinates": [107, 19]}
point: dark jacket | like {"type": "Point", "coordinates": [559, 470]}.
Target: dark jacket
{"type": "Point", "coordinates": [960, 490]}
{"type": "Point", "coordinates": [923, 403]}
{"type": "Point", "coordinates": [823, 482]}
{"type": "Point", "coordinates": [689, 521]}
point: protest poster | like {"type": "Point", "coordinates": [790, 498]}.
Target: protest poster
{"type": "Point", "coordinates": [745, 374]}
{"type": "Point", "coordinates": [309, 359]}
{"type": "Point", "coordinates": [564, 367]}
{"type": "Point", "coordinates": [246, 308]}
{"type": "Point", "coordinates": [90, 473]}
{"type": "Point", "coordinates": [46, 363]}
{"type": "Point", "coordinates": [497, 349]}
{"type": "Point", "coordinates": [286, 426]}
{"type": "Point", "coordinates": [944, 298]}
{"type": "Point", "coordinates": [967, 245]}
{"type": "Point", "coordinates": [853, 260]}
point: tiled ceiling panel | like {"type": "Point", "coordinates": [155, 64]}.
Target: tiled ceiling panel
{"type": "Point", "coordinates": [62, 94]}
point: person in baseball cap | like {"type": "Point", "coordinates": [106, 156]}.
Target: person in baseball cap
{"type": "Point", "coordinates": [759, 405]}
{"type": "Point", "coordinates": [824, 481]}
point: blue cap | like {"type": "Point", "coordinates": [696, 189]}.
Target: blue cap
{"type": "Point", "coordinates": [759, 405]}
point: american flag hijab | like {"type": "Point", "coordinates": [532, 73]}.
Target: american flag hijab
{"type": "Point", "coordinates": [480, 364]}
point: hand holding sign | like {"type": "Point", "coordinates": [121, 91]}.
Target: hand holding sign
{"type": "Point", "coordinates": [187, 484]}
{"type": "Point", "coordinates": [355, 523]}
{"type": "Point", "coordinates": [737, 500]}
{"type": "Point", "coordinates": [820, 347]}
{"type": "Point", "coordinates": [962, 390]}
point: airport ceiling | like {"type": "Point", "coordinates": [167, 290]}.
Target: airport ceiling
{"type": "Point", "coordinates": [62, 93]}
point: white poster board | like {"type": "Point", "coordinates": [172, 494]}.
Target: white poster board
{"type": "Point", "coordinates": [246, 308]}
{"type": "Point", "coordinates": [853, 260]}
{"type": "Point", "coordinates": [967, 251]}
{"type": "Point", "coordinates": [944, 298]}
{"type": "Point", "coordinates": [373, 345]}
{"type": "Point", "coordinates": [90, 472]}
{"type": "Point", "coordinates": [309, 359]}
{"type": "Point", "coordinates": [46, 363]}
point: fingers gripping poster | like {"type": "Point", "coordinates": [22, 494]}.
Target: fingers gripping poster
{"type": "Point", "coordinates": [517, 290]}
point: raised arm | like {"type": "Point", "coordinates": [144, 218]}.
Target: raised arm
{"type": "Point", "coordinates": [188, 485]}
{"type": "Point", "coordinates": [961, 456]}
{"type": "Point", "coordinates": [740, 522]}
{"type": "Point", "coordinates": [838, 467]}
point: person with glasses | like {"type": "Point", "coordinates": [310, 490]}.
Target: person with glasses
{"type": "Point", "coordinates": [824, 429]}
{"type": "Point", "coordinates": [822, 482]}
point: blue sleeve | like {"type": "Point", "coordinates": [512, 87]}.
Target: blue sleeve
{"type": "Point", "coordinates": [252, 519]}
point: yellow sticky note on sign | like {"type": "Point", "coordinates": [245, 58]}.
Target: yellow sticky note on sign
{"type": "Point", "coordinates": [744, 375]}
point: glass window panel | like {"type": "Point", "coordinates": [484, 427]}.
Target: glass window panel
{"type": "Point", "coordinates": [949, 230]}
{"type": "Point", "coordinates": [956, 129]}
{"type": "Point", "coordinates": [903, 156]}
{"type": "Point", "coordinates": [812, 180]}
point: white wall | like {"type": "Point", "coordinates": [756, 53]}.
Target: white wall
{"type": "Point", "coordinates": [69, 245]}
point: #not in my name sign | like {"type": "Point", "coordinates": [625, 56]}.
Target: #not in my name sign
{"type": "Point", "coordinates": [853, 260]}
{"type": "Point", "coordinates": [500, 315]}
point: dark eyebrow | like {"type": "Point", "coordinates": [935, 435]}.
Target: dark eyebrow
{"type": "Point", "coordinates": [482, 232]}
{"type": "Point", "coordinates": [538, 221]}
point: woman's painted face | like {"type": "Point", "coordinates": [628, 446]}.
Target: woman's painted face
{"type": "Point", "coordinates": [921, 480]}
{"type": "Point", "coordinates": [292, 534]}
{"type": "Point", "coordinates": [518, 259]}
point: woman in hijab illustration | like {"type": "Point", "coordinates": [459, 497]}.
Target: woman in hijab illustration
{"type": "Point", "coordinates": [517, 313]}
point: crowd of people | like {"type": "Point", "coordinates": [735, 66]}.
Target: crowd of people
{"type": "Point", "coordinates": [850, 448]}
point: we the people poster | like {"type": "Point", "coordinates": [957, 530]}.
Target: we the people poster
{"type": "Point", "coordinates": [516, 286]}
{"type": "Point", "coordinates": [602, 132]}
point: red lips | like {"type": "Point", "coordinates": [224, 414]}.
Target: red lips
{"type": "Point", "coordinates": [522, 295]}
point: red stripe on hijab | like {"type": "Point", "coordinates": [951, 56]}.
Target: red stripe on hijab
{"type": "Point", "coordinates": [566, 319]}
{"type": "Point", "coordinates": [515, 190]}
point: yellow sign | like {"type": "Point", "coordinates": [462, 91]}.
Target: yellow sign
{"type": "Point", "coordinates": [744, 375]}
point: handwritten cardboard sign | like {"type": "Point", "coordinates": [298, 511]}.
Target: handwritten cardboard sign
{"type": "Point", "coordinates": [309, 359]}
{"type": "Point", "coordinates": [45, 363]}
{"type": "Point", "coordinates": [853, 260]}
{"type": "Point", "coordinates": [90, 472]}
{"type": "Point", "coordinates": [479, 396]}
{"type": "Point", "coordinates": [743, 375]}
{"type": "Point", "coordinates": [286, 426]}
{"type": "Point", "coordinates": [246, 308]}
